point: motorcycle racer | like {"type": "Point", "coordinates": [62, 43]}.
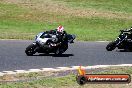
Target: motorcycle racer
{"type": "Point", "coordinates": [123, 41]}
{"type": "Point", "coordinates": [60, 34]}
{"type": "Point", "coordinates": [54, 41]}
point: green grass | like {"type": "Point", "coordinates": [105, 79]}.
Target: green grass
{"type": "Point", "coordinates": [106, 5]}
{"type": "Point", "coordinates": [45, 83]}
{"type": "Point", "coordinates": [23, 20]}
{"type": "Point", "coordinates": [97, 28]}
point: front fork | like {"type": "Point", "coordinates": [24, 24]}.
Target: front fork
{"type": "Point", "coordinates": [119, 40]}
{"type": "Point", "coordinates": [37, 46]}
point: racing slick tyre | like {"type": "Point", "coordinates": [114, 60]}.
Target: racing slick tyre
{"type": "Point", "coordinates": [30, 50]}
{"type": "Point", "coordinates": [111, 46]}
{"type": "Point", "coordinates": [61, 49]}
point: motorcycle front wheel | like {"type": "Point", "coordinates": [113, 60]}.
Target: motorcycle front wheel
{"type": "Point", "coordinates": [111, 46]}
{"type": "Point", "coordinates": [30, 50]}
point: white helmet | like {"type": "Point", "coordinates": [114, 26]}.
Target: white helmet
{"type": "Point", "coordinates": [60, 29]}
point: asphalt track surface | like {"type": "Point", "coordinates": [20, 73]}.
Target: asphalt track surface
{"type": "Point", "coordinates": [13, 57]}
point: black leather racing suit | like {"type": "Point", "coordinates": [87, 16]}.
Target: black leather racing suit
{"type": "Point", "coordinates": [62, 37]}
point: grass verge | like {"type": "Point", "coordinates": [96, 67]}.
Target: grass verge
{"type": "Point", "coordinates": [88, 20]}
{"type": "Point", "coordinates": [65, 79]}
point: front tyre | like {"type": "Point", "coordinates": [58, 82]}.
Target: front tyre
{"type": "Point", "coordinates": [111, 46]}
{"type": "Point", "coordinates": [30, 50]}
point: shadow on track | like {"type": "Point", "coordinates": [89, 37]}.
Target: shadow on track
{"type": "Point", "coordinates": [123, 50]}
{"type": "Point", "coordinates": [53, 55]}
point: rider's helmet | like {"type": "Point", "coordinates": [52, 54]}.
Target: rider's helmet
{"type": "Point", "coordinates": [60, 29]}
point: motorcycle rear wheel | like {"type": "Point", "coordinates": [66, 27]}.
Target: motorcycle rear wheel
{"type": "Point", "coordinates": [61, 49]}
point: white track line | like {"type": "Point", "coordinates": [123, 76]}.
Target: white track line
{"type": "Point", "coordinates": [59, 69]}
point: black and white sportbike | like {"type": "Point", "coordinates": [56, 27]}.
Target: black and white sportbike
{"type": "Point", "coordinates": [48, 43]}
{"type": "Point", "coordinates": [124, 41]}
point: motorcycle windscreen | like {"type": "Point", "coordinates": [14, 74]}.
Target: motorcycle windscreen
{"type": "Point", "coordinates": [45, 35]}
{"type": "Point", "coordinates": [71, 37]}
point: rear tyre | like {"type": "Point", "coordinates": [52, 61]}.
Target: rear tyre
{"type": "Point", "coordinates": [61, 49]}
{"type": "Point", "coordinates": [30, 50]}
{"type": "Point", "coordinates": [111, 46]}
